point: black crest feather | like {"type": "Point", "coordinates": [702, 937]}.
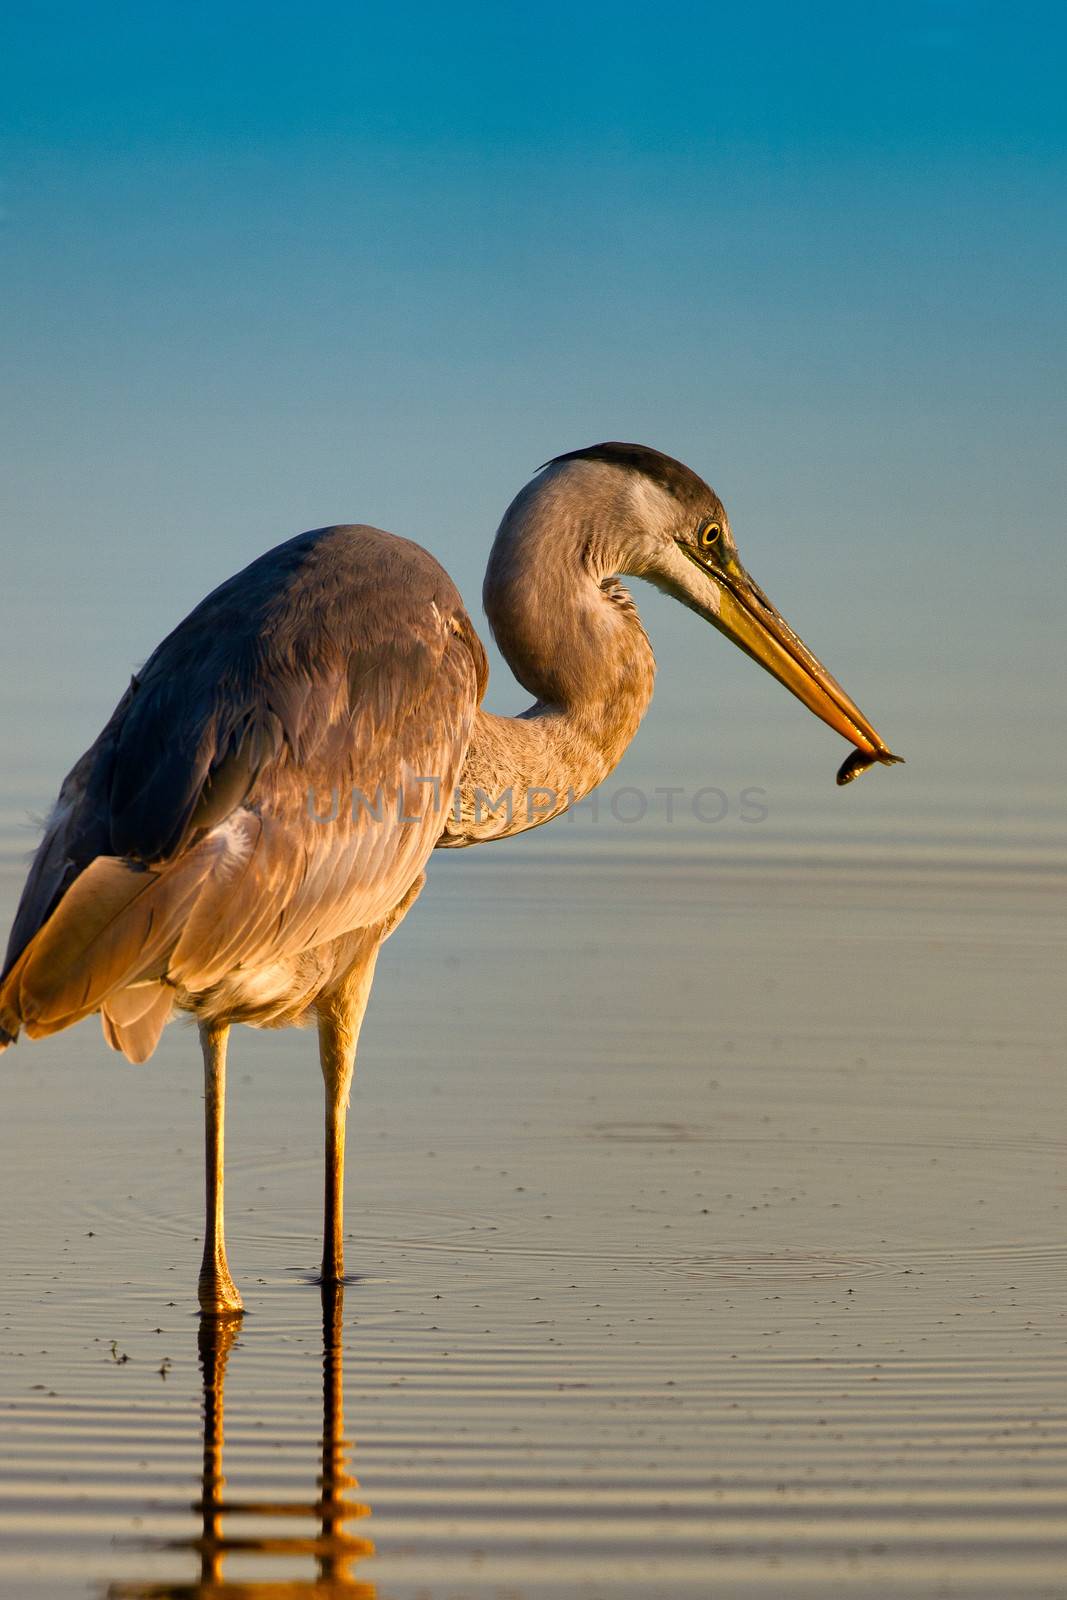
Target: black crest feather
{"type": "Point", "coordinates": [674, 476]}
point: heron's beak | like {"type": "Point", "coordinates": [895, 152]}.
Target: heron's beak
{"type": "Point", "coordinates": [747, 617]}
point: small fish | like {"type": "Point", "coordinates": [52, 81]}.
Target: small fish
{"type": "Point", "coordinates": [859, 760]}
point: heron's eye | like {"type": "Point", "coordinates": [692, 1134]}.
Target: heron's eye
{"type": "Point", "coordinates": [709, 535]}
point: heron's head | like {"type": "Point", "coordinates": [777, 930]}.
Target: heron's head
{"type": "Point", "coordinates": [648, 515]}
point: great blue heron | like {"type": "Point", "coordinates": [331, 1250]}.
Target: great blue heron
{"type": "Point", "coordinates": [194, 860]}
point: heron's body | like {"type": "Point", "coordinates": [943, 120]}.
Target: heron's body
{"type": "Point", "coordinates": [257, 815]}
{"type": "Point", "coordinates": [196, 808]}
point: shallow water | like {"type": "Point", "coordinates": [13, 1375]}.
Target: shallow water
{"type": "Point", "coordinates": [705, 1221]}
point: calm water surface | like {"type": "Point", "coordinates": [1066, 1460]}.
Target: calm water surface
{"type": "Point", "coordinates": [706, 1224]}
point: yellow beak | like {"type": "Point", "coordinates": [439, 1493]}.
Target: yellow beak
{"type": "Point", "coordinates": [747, 617]}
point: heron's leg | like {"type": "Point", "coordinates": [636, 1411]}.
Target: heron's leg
{"type": "Point", "coordinates": [340, 1017]}
{"type": "Point", "coordinates": [218, 1294]}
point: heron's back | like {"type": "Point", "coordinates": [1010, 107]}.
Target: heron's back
{"type": "Point", "coordinates": [186, 844]}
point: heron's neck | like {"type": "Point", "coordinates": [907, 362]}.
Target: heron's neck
{"type": "Point", "coordinates": [572, 636]}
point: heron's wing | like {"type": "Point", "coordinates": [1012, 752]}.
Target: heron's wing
{"type": "Point", "coordinates": [332, 842]}
{"type": "Point", "coordinates": [342, 661]}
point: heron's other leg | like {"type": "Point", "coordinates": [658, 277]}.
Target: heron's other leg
{"type": "Point", "coordinates": [218, 1294]}
{"type": "Point", "coordinates": [340, 1017]}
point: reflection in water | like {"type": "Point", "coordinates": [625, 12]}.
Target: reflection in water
{"type": "Point", "coordinates": [333, 1551]}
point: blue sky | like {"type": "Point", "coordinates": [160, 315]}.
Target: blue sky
{"type": "Point", "coordinates": [267, 266]}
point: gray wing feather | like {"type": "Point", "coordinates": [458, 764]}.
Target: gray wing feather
{"type": "Point", "coordinates": [342, 660]}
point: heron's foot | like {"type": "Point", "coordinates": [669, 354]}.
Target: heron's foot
{"type": "Point", "coordinates": [218, 1293]}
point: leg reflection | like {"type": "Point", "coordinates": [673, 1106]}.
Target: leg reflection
{"type": "Point", "coordinates": [220, 1542]}
{"type": "Point", "coordinates": [215, 1341]}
